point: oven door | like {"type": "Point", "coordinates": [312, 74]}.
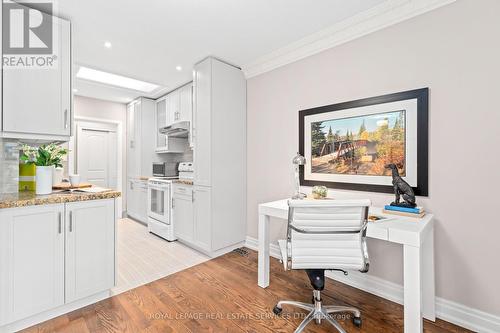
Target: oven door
{"type": "Point", "coordinates": [158, 199]}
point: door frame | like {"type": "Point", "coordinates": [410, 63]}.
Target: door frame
{"type": "Point", "coordinates": [101, 124]}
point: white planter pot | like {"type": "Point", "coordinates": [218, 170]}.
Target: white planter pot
{"type": "Point", "coordinates": [44, 179]}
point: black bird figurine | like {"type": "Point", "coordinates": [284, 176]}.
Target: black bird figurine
{"type": "Point", "coordinates": [401, 189]}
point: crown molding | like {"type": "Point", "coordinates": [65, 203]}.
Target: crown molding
{"type": "Point", "coordinates": [388, 13]}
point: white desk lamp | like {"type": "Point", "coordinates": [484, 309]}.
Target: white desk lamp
{"type": "Point", "coordinates": [298, 160]}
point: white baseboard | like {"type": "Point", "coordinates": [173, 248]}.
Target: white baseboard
{"type": "Point", "coordinates": [449, 311]}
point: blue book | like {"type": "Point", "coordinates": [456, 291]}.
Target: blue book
{"type": "Point", "coordinates": [416, 210]}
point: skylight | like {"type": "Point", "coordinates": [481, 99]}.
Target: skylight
{"type": "Point", "coordinates": [115, 80]}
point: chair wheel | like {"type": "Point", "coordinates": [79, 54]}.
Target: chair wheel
{"type": "Point", "coordinates": [277, 310]}
{"type": "Point", "coordinates": [357, 321]}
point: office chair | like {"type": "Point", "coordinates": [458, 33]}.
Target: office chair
{"type": "Point", "coordinates": [325, 235]}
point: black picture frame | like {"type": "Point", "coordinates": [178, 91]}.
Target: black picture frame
{"type": "Point", "coordinates": [422, 96]}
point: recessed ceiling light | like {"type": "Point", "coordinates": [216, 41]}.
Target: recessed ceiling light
{"type": "Point", "coordinates": [107, 45]}
{"type": "Point", "coordinates": [179, 68]}
{"type": "Point", "coordinates": [115, 80]}
{"type": "Point", "coordinates": [75, 90]}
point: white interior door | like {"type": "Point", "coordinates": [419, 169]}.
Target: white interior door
{"type": "Point", "coordinates": [97, 156]}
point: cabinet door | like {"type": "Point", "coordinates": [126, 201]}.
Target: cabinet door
{"type": "Point", "coordinates": [31, 261]}
{"type": "Point", "coordinates": [186, 103]}
{"type": "Point", "coordinates": [202, 124]}
{"type": "Point", "coordinates": [90, 247]}
{"type": "Point", "coordinates": [202, 217]}
{"type": "Point", "coordinates": [183, 217]}
{"type": "Point", "coordinates": [161, 121]}
{"type": "Point", "coordinates": [133, 140]}
{"type": "Point", "coordinates": [131, 198]}
{"type": "Point", "coordinates": [38, 101]}
{"type": "Point", "coordinates": [143, 201]}
{"type": "Point", "coordinates": [137, 151]}
{"type": "Point", "coordinates": [173, 107]}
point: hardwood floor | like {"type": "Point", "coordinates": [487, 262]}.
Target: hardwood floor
{"type": "Point", "coordinates": [143, 257]}
{"type": "Point", "coordinates": [221, 295]}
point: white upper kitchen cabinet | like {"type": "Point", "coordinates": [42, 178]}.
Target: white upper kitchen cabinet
{"type": "Point", "coordinates": [168, 111]}
{"type": "Point", "coordinates": [161, 121]}
{"type": "Point", "coordinates": [90, 248]}
{"type": "Point", "coordinates": [173, 107]}
{"type": "Point", "coordinates": [31, 261]}
{"type": "Point", "coordinates": [37, 102]}
{"type": "Point", "coordinates": [186, 102]}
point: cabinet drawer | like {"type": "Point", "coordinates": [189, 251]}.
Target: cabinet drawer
{"type": "Point", "coordinates": [183, 189]}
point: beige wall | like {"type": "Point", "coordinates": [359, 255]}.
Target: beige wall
{"type": "Point", "coordinates": [455, 51]}
{"type": "Point", "coordinates": [97, 108]}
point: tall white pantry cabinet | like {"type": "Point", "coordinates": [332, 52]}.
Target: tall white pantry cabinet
{"type": "Point", "coordinates": [219, 136]}
{"type": "Point", "coordinates": [140, 155]}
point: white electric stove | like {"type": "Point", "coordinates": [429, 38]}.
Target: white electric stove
{"type": "Point", "coordinates": [160, 207]}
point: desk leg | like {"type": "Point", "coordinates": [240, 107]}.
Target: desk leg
{"type": "Point", "coordinates": [412, 290]}
{"type": "Point", "coordinates": [428, 286]}
{"type": "Point", "coordinates": [263, 250]}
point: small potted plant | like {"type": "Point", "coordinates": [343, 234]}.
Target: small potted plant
{"type": "Point", "coordinates": [319, 192]}
{"type": "Point", "coordinates": [45, 158]}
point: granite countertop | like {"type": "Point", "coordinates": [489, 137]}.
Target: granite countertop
{"type": "Point", "coordinates": [27, 198]}
{"type": "Point", "coordinates": [185, 182]}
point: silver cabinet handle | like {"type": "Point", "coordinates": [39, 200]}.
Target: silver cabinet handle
{"type": "Point", "coordinates": [65, 118]}
{"type": "Point", "coordinates": [59, 223]}
{"type": "Point", "coordinates": [173, 202]}
{"type": "Point", "coordinates": [70, 221]}
{"type": "Point", "coordinates": [131, 185]}
{"type": "Point", "coordinates": [192, 196]}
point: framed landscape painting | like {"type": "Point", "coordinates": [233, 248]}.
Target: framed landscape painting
{"type": "Point", "coordinates": [348, 145]}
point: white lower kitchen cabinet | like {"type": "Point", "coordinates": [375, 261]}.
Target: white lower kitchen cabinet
{"type": "Point", "coordinates": [182, 212]}
{"type": "Point", "coordinates": [137, 200]}
{"type": "Point", "coordinates": [90, 250]}
{"type": "Point", "coordinates": [54, 259]}
{"type": "Point", "coordinates": [203, 218]}
{"type": "Point", "coordinates": [31, 261]}
{"type": "Point", "coordinates": [198, 224]}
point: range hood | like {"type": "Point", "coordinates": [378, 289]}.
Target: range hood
{"type": "Point", "coordinates": [177, 130]}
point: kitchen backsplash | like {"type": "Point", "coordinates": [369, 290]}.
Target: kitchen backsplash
{"type": "Point", "coordinates": [9, 166]}
{"type": "Point", "coordinates": [187, 156]}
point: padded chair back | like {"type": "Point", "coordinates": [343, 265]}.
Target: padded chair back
{"type": "Point", "coordinates": [327, 234]}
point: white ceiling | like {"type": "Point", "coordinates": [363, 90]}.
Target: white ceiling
{"type": "Point", "coordinates": [151, 37]}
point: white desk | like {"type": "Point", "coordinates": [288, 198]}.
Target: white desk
{"type": "Point", "coordinates": [417, 237]}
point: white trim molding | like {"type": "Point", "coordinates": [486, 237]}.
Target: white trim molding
{"type": "Point", "coordinates": [388, 13]}
{"type": "Point", "coordinates": [449, 311]}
